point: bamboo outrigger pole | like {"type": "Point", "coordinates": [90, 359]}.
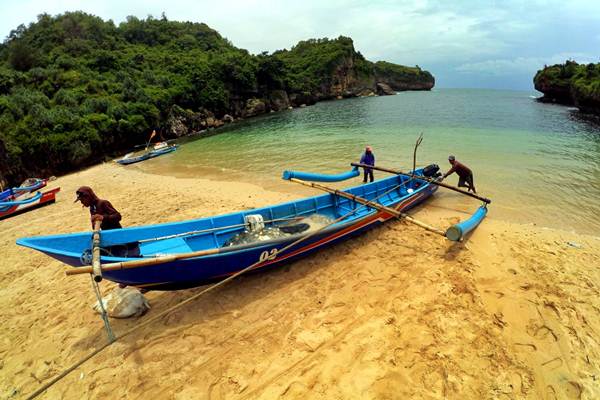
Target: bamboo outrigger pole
{"type": "Point", "coordinates": [369, 203]}
{"type": "Point", "coordinates": [144, 262]}
{"type": "Point", "coordinates": [430, 180]}
{"type": "Point", "coordinates": [96, 274]}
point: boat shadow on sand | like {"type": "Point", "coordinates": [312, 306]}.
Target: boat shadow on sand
{"type": "Point", "coordinates": [226, 302]}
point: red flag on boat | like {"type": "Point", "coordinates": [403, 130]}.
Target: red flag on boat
{"type": "Point", "coordinates": [150, 139]}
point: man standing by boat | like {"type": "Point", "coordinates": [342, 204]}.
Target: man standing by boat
{"type": "Point", "coordinates": [100, 210]}
{"type": "Point", "coordinates": [465, 175]}
{"type": "Point", "coordinates": [368, 158]}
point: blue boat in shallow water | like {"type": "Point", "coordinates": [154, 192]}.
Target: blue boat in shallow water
{"type": "Point", "coordinates": [163, 242]}
{"type": "Point", "coordinates": [157, 151]}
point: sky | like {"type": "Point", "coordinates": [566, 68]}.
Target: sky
{"type": "Point", "coordinates": [497, 44]}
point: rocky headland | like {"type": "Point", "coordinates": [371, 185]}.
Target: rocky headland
{"type": "Point", "coordinates": [76, 90]}
{"type": "Point", "coordinates": [571, 84]}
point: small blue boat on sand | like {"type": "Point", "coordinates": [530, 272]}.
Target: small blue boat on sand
{"type": "Point", "coordinates": [30, 185]}
{"type": "Point", "coordinates": [14, 205]}
{"type": "Point", "coordinates": [260, 238]}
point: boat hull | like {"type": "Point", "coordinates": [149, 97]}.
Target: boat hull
{"type": "Point", "coordinates": [148, 155]}
{"type": "Point", "coordinates": [133, 160]}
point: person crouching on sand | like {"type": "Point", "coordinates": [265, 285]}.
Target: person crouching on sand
{"type": "Point", "coordinates": [100, 210]}
{"type": "Point", "coordinates": [109, 217]}
{"type": "Point", "coordinates": [368, 158]}
{"type": "Point", "coordinates": [465, 175]}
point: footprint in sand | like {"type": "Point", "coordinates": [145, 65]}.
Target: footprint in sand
{"type": "Point", "coordinates": [544, 332]}
{"type": "Point", "coordinates": [529, 346]}
{"type": "Point", "coordinates": [551, 393]}
{"type": "Point", "coordinates": [540, 332]}
{"type": "Point", "coordinates": [552, 306]}
{"type": "Point", "coordinates": [554, 363]}
{"type": "Point", "coordinates": [573, 390]}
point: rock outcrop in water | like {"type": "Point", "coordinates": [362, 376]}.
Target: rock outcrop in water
{"type": "Point", "coordinates": [76, 90]}
{"type": "Point", "coordinates": [571, 84]}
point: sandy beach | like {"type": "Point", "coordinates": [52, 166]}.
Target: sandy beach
{"type": "Point", "coordinates": [511, 313]}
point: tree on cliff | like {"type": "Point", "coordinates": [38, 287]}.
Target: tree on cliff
{"type": "Point", "coordinates": [75, 88]}
{"type": "Point", "coordinates": [571, 83]}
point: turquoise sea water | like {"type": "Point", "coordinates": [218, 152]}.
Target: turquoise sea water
{"type": "Point", "coordinates": [540, 163]}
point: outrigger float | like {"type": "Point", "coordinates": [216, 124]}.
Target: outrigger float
{"type": "Point", "coordinates": [190, 253]}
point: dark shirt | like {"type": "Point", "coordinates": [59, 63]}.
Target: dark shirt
{"type": "Point", "coordinates": [462, 170]}
{"type": "Point", "coordinates": [368, 158]}
{"type": "Point", "coordinates": [111, 217]}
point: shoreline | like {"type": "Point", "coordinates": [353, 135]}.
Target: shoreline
{"type": "Point", "coordinates": [455, 202]}
{"type": "Point", "coordinates": [511, 312]}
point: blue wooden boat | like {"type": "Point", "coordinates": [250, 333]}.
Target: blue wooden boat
{"type": "Point", "coordinates": [160, 150]}
{"type": "Point", "coordinates": [30, 185]}
{"type": "Point", "coordinates": [13, 206]}
{"type": "Point", "coordinates": [130, 160]}
{"type": "Point", "coordinates": [7, 195]}
{"type": "Point", "coordinates": [163, 242]}
{"type": "Point", "coordinates": [148, 154]}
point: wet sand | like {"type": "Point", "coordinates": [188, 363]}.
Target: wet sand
{"type": "Point", "coordinates": [511, 313]}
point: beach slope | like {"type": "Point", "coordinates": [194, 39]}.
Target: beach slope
{"type": "Point", "coordinates": [513, 312]}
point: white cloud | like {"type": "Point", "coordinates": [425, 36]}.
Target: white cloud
{"type": "Point", "coordinates": [487, 38]}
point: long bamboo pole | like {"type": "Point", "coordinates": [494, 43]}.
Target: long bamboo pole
{"type": "Point", "coordinates": [430, 180]}
{"type": "Point", "coordinates": [371, 204]}
{"type": "Point", "coordinates": [143, 262]}
{"type": "Point", "coordinates": [159, 260]}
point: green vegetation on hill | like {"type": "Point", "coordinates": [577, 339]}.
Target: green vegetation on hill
{"type": "Point", "coordinates": [571, 83]}
{"type": "Point", "coordinates": [402, 73]}
{"type": "Point", "coordinates": [311, 63]}
{"type": "Point", "coordinates": [75, 88]}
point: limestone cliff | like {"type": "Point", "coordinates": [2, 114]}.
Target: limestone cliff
{"type": "Point", "coordinates": [321, 69]}
{"type": "Point", "coordinates": [402, 78]}
{"type": "Point", "coordinates": [571, 84]}
{"type": "Point", "coordinates": [318, 69]}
